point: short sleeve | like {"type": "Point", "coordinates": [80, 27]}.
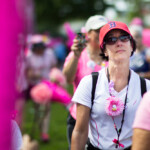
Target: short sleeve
{"type": "Point", "coordinates": [142, 119]}
{"type": "Point", "coordinates": [83, 91]}
{"type": "Point", "coordinates": [68, 58]}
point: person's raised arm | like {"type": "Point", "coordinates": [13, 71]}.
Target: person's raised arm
{"type": "Point", "coordinates": [80, 132]}
{"type": "Point", "coordinates": [70, 69]}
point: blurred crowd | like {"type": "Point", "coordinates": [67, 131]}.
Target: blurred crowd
{"type": "Point", "coordinates": [46, 66]}
{"type": "Point", "coordinates": [40, 78]}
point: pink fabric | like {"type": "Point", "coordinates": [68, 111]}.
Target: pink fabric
{"type": "Point", "coordinates": [47, 91]}
{"type": "Point", "coordinates": [57, 76]}
{"type": "Point", "coordinates": [41, 93]}
{"type": "Point", "coordinates": [82, 70]}
{"type": "Point", "coordinates": [146, 37]}
{"type": "Point", "coordinates": [11, 26]}
{"type": "Point", "coordinates": [137, 21]}
{"type": "Point", "coordinates": [58, 93]}
{"type": "Point", "coordinates": [142, 119]}
{"type": "Point", "coordinates": [70, 33]}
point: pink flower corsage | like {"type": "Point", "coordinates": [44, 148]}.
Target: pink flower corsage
{"type": "Point", "coordinates": [114, 106]}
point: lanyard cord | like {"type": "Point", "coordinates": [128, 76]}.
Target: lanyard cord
{"type": "Point", "coordinates": [123, 115]}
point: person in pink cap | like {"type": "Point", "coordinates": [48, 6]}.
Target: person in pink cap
{"type": "Point", "coordinates": [82, 60]}
{"type": "Point", "coordinates": [39, 62]}
{"type": "Point", "coordinates": [141, 126]}
{"type": "Point", "coordinates": [137, 21]}
{"type": "Point", "coordinates": [146, 31]}
{"type": "Point", "coordinates": [108, 120]}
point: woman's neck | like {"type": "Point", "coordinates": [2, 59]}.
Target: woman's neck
{"type": "Point", "coordinates": [119, 74]}
{"type": "Point", "coordinates": [95, 56]}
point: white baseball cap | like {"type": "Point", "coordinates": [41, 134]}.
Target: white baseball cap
{"type": "Point", "coordinates": [95, 22]}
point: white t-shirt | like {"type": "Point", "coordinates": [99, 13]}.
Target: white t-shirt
{"type": "Point", "coordinates": [16, 136]}
{"type": "Point", "coordinates": [102, 131]}
{"type": "Point", "coordinates": [41, 64]}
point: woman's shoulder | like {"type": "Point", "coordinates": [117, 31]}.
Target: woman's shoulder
{"type": "Point", "coordinates": [88, 78]}
{"type": "Point", "coordinates": [134, 74]}
{"type": "Point", "coordinates": [136, 78]}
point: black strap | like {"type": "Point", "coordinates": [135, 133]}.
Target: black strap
{"type": "Point", "coordinates": [94, 81]}
{"type": "Point", "coordinates": [91, 147]}
{"type": "Point", "coordinates": [143, 86]}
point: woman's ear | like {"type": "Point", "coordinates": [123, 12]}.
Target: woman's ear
{"type": "Point", "coordinates": [105, 53]}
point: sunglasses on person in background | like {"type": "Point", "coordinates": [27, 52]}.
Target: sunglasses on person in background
{"type": "Point", "coordinates": [113, 40]}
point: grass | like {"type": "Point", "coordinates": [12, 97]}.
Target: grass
{"type": "Point", "coordinates": [57, 129]}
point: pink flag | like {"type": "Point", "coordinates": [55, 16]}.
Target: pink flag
{"type": "Point", "coordinates": [70, 33]}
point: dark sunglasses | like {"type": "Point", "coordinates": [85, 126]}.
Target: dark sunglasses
{"type": "Point", "coordinates": [113, 40]}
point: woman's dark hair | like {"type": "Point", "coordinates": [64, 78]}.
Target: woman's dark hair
{"type": "Point", "coordinates": [104, 47]}
{"type": "Point", "coordinates": [37, 46]}
{"type": "Point", "coordinates": [102, 54]}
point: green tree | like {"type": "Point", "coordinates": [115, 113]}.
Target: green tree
{"type": "Point", "coordinates": [51, 13]}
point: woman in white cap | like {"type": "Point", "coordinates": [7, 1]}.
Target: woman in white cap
{"type": "Point", "coordinates": [117, 95]}
{"type": "Point", "coordinates": [83, 59]}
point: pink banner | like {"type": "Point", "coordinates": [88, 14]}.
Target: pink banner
{"type": "Point", "coordinates": [12, 33]}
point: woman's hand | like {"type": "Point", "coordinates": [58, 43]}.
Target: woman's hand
{"type": "Point", "coordinates": [77, 47]}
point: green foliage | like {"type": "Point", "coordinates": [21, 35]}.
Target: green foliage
{"type": "Point", "coordinates": [51, 13]}
{"type": "Point", "coordinates": [135, 10]}
{"type": "Point", "coordinates": [57, 129]}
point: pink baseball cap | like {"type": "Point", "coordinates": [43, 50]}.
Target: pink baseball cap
{"type": "Point", "coordinates": [137, 21]}
{"type": "Point", "coordinates": [111, 26]}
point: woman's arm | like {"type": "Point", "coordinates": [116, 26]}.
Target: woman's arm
{"type": "Point", "coordinates": [141, 131]}
{"type": "Point", "coordinates": [80, 132]}
{"type": "Point", "coordinates": [70, 69]}
{"type": "Point", "coordinates": [141, 139]}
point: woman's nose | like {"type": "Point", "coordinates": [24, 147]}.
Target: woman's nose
{"type": "Point", "coordinates": [118, 42]}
